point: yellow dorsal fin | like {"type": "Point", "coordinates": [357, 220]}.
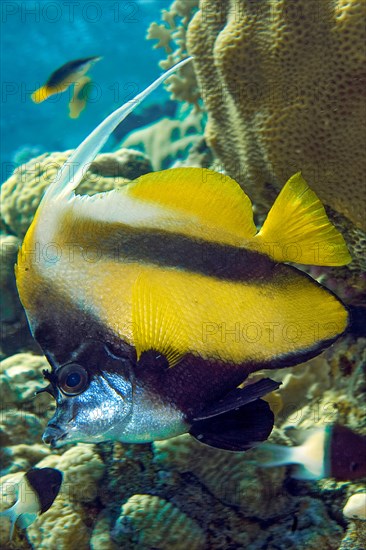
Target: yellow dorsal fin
{"type": "Point", "coordinates": [156, 324]}
{"type": "Point", "coordinates": [213, 198]}
{"type": "Point", "coordinates": [297, 229]}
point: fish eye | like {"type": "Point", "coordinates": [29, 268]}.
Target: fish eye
{"type": "Point", "coordinates": [72, 379]}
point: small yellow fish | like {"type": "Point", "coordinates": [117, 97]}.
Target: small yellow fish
{"type": "Point", "coordinates": [36, 492]}
{"type": "Point", "coordinates": [154, 302]}
{"type": "Point", "coordinates": [63, 77]}
{"type": "Point", "coordinates": [79, 98]}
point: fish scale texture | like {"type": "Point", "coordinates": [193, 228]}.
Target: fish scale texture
{"type": "Point", "coordinates": [284, 86]}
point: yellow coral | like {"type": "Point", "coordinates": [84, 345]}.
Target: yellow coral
{"type": "Point", "coordinates": [101, 538]}
{"type": "Point", "coordinates": [62, 527]}
{"type": "Point", "coordinates": [284, 86]}
{"type": "Point", "coordinates": [182, 86]}
{"type": "Point", "coordinates": [152, 522]}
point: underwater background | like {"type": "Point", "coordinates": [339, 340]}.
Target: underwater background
{"type": "Point", "coordinates": [276, 87]}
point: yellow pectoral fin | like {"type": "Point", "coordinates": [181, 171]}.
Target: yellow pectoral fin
{"type": "Point", "coordinates": [208, 198]}
{"type": "Point", "coordinates": [155, 322]}
{"type": "Point", "coordinates": [297, 229]}
{"type": "Point", "coordinates": [76, 106]}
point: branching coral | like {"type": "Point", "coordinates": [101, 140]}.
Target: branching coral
{"type": "Point", "coordinates": [171, 36]}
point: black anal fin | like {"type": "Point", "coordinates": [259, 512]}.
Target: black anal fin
{"type": "Point", "coordinates": [238, 398]}
{"type": "Point", "coordinates": [236, 430]}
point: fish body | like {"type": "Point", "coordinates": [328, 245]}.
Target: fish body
{"type": "Point", "coordinates": [329, 451]}
{"type": "Point", "coordinates": [154, 302]}
{"type": "Point", "coordinates": [36, 492]}
{"type": "Point", "coordinates": [63, 77]}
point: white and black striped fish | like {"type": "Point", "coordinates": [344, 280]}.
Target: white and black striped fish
{"type": "Point", "coordinates": [162, 297]}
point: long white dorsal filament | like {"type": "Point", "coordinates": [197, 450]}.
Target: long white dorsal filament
{"type": "Point", "coordinates": [72, 172]}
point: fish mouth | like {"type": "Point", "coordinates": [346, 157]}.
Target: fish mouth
{"type": "Point", "coordinates": [53, 436]}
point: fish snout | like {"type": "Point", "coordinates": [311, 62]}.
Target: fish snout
{"type": "Point", "coordinates": [52, 435]}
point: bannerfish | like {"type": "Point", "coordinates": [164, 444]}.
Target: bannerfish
{"type": "Point", "coordinates": [35, 494]}
{"type": "Point", "coordinates": [80, 96]}
{"type": "Point", "coordinates": [64, 77]}
{"type": "Point", "coordinates": [329, 451]}
{"type": "Point", "coordinates": [154, 302]}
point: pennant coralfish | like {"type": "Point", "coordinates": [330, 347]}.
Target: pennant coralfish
{"type": "Point", "coordinates": [329, 451]}
{"type": "Point", "coordinates": [36, 492]}
{"type": "Point", "coordinates": [154, 302]}
{"type": "Point", "coordinates": [64, 77]}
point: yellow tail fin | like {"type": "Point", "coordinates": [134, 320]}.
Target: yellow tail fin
{"type": "Point", "coordinates": [297, 229]}
{"type": "Point", "coordinates": [41, 94]}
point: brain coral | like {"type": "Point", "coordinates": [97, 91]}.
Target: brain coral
{"type": "Point", "coordinates": [22, 192]}
{"type": "Point", "coordinates": [62, 527]}
{"type": "Point", "coordinates": [152, 522]}
{"type": "Point", "coordinates": [284, 86]}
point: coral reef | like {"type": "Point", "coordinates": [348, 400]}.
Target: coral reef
{"type": "Point", "coordinates": [168, 139]}
{"type": "Point", "coordinates": [274, 108]}
{"type": "Point", "coordinates": [82, 468]}
{"type": "Point", "coordinates": [62, 527]}
{"type": "Point", "coordinates": [22, 192]}
{"type": "Point", "coordinates": [265, 122]}
{"type": "Point", "coordinates": [151, 522]}
{"type": "Point", "coordinates": [181, 492]}
{"type": "Point", "coordinates": [171, 35]}
{"type": "Point", "coordinates": [10, 307]}
{"type": "Point", "coordinates": [20, 377]}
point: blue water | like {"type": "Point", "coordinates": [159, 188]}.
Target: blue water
{"type": "Point", "coordinates": [38, 37]}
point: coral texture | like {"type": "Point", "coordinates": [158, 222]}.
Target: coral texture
{"type": "Point", "coordinates": [171, 35]}
{"type": "Point", "coordinates": [20, 377]}
{"type": "Point", "coordinates": [22, 192]}
{"type": "Point", "coordinates": [152, 522]}
{"type": "Point", "coordinates": [168, 139]}
{"type": "Point", "coordinates": [62, 527]}
{"type": "Point", "coordinates": [10, 308]}
{"type": "Point", "coordinates": [284, 86]}
{"type": "Point", "coordinates": [82, 468]}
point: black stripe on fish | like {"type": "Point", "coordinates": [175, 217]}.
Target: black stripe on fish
{"type": "Point", "coordinates": [165, 249]}
{"type": "Point", "coordinates": [67, 70]}
{"type": "Point", "coordinates": [46, 483]}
